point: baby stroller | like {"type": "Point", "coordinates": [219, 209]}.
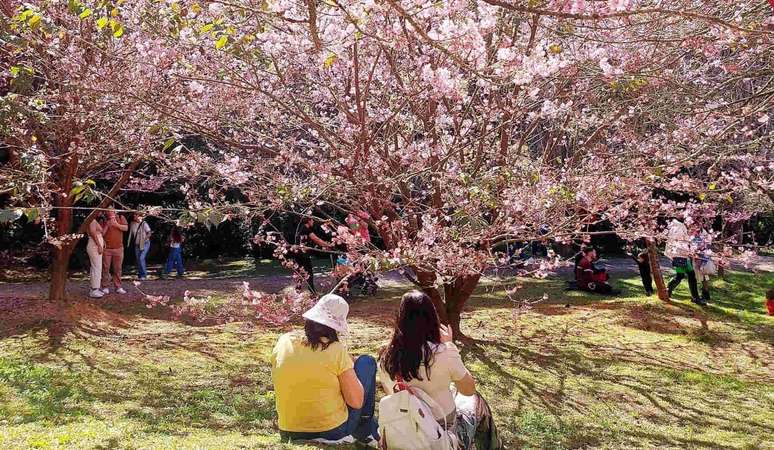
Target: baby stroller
{"type": "Point", "coordinates": [361, 282]}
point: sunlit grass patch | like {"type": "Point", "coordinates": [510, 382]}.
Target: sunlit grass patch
{"type": "Point", "coordinates": [574, 371]}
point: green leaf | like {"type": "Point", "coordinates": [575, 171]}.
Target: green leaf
{"type": "Point", "coordinates": [15, 71]}
{"type": "Point", "coordinates": [202, 216]}
{"type": "Point", "coordinates": [118, 31]}
{"type": "Point", "coordinates": [186, 219]}
{"type": "Point", "coordinates": [31, 213]}
{"type": "Point", "coordinates": [329, 60]}
{"type": "Point", "coordinates": [10, 215]}
{"type": "Point", "coordinates": [34, 21]}
{"type": "Point", "coordinates": [26, 13]}
{"type": "Point", "coordinates": [207, 28]}
{"type": "Point", "coordinates": [712, 186]}
{"type": "Point", "coordinates": [216, 218]}
{"type": "Point", "coordinates": [220, 43]}
{"type": "Point", "coordinates": [102, 22]}
{"type": "Point", "coordinates": [85, 13]}
{"type": "Point", "coordinates": [168, 143]}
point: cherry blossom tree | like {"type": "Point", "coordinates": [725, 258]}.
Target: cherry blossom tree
{"type": "Point", "coordinates": [82, 82]}
{"type": "Point", "coordinates": [460, 125]}
{"type": "Point", "coordinates": [457, 126]}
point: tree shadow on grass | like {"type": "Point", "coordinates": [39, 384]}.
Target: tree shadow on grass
{"type": "Point", "coordinates": [46, 394]}
{"type": "Point", "coordinates": [678, 391]}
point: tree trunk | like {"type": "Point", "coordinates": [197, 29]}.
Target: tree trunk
{"type": "Point", "coordinates": [457, 294]}
{"type": "Point", "coordinates": [60, 263]}
{"type": "Point", "coordinates": [59, 273]}
{"type": "Point", "coordinates": [427, 284]}
{"type": "Point", "coordinates": [655, 270]}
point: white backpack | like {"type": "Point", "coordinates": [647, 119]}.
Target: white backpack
{"type": "Point", "coordinates": [407, 421]}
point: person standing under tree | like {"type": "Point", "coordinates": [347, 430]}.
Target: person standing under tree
{"type": "Point", "coordinates": [94, 248]}
{"type": "Point", "coordinates": [113, 254]}
{"type": "Point", "coordinates": [139, 235]}
{"type": "Point", "coordinates": [643, 264]}
{"type": "Point", "coordinates": [702, 260]}
{"type": "Point", "coordinates": [175, 258]}
{"type": "Point", "coordinates": [679, 249]}
{"type": "Point", "coordinates": [306, 240]}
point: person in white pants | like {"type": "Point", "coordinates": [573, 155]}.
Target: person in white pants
{"type": "Point", "coordinates": [94, 249]}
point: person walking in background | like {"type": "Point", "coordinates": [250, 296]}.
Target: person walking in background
{"type": "Point", "coordinates": [113, 254]}
{"type": "Point", "coordinates": [94, 248]}
{"type": "Point", "coordinates": [679, 249]}
{"type": "Point", "coordinates": [770, 301]}
{"type": "Point", "coordinates": [139, 239]}
{"type": "Point", "coordinates": [306, 239]}
{"type": "Point", "coordinates": [702, 260]}
{"type": "Point", "coordinates": [175, 258]}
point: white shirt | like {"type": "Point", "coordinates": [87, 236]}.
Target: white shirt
{"type": "Point", "coordinates": [445, 368]}
{"type": "Point", "coordinates": [678, 241]}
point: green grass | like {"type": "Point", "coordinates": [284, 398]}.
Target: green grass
{"type": "Point", "coordinates": [574, 371]}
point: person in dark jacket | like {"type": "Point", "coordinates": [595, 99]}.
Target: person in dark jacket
{"type": "Point", "coordinates": [643, 264]}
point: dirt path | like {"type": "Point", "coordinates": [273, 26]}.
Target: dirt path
{"type": "Point", "coordinates": [198, 285]}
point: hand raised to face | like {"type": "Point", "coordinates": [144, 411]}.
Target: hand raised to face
{"type": "Point", "coordinates": [446, 333]}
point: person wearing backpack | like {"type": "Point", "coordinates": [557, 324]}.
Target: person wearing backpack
{"type": "Point", "coordinates": [321, 393]}
{"type": "Point", "coordinates": [421, 359]}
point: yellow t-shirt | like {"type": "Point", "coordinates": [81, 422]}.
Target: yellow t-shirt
{"type": "Point", "coordinates": [306, 384]}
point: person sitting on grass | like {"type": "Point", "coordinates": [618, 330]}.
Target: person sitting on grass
{"type": "Point", "coordinates": [422, 354]}
{"type": "Point", "coordinates": [770, 301]}
{"type": "Point", "coordinates": [321, 394]}
{"type": "Point", "coordinates": [589, 277]}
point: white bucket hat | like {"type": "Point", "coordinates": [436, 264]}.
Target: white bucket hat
{"type": "Point", "coordinates": [331, 310]}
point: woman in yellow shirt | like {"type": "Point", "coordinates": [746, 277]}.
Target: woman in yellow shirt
{"type": "Point", "coordinates": [320, 393]}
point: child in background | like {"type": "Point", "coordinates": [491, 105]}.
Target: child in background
{"type": "Point", "coordinates": [770, 301]}
{"type": "Point", "coordinates": [175, 258]}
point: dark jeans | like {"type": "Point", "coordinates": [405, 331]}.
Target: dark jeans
{"type": "Point", "coordinates": [175, 260]}
{"type": "Point", "coordinates": [305, 262]}
{"type": "Point", "coordinates": [691, 282]}
{"type": "Point", "coordinates": [140, 254]}
{"type": "Point", "coordinates": [647, 280]}
{"type": "Point", "coordinates": [361, 422]}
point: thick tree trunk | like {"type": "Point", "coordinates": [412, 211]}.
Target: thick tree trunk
{"type": "Point", "coordinates": [655, 270]}
{"type": "Point", "coordinates": [457, 295]}
{"type": "Point", "coordinates": [427, 285]}
{"type": "Point", "coordinates": [60, 264]}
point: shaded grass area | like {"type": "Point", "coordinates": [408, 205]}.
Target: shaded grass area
{"type": "Point", "coordinates": [573, 371]}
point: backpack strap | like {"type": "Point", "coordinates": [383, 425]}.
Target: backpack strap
{"type": "Point", "coordinates": [400, 385]}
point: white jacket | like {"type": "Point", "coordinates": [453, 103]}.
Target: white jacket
{"type": "Point", "coordinates": [678, 240]}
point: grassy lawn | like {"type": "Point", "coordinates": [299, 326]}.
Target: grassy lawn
{"type": "Point", "coordinates": [575, 371]}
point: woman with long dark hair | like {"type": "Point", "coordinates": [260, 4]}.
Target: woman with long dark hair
{"type": "Point", "coordinates": [321, 393]}
{"type": "Point", "coordinates": [422, 354]}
